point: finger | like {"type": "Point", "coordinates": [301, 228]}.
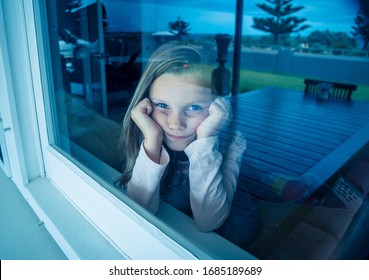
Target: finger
{"type": "Point", "coordinates": [224, 103]}
{"type": "Point", "coordinates": [143, 107]}
{"type": "Point", "coordinates": [216, 110]}
{"type": "Point", "coordinates": [149, 107]}
{"type": "Point", "coordinates": [221, 107]}
{"type": "Point", "coordinates": [227, 107]}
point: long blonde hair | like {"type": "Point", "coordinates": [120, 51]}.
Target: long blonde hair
{"type": "Point", "coordinates": [176, 58]}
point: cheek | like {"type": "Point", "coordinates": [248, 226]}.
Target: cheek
{"type": "Point", "coordinates": [196, 121]}
{"type": "Point", "coordinates": [158, 116]}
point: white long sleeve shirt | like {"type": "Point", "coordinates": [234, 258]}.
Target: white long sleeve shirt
{"type": "Point", "coordinates": [212, 176]}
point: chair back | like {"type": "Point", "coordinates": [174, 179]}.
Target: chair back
{"type": "Point", "coordinates": [329, 90]}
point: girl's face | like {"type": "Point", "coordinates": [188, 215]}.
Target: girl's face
{"type": "Point", "coordinates": [179, 107]}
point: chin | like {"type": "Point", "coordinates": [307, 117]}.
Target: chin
{"type": "Point", "coordinates": [178, 147]}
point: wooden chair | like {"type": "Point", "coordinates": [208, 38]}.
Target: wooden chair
{"type": "Point", "coordinates": [335, 91]}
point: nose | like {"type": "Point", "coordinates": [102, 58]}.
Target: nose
{"type": "Point", "coordinates": [176, 121]}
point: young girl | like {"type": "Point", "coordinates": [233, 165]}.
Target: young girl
{"type": "Point", "coordinates": [170, 139]}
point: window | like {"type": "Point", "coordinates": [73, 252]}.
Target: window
{"type": "Point", "coordinates": [98, 54]}
{"type": "Point", "coordinates": [305, 153]}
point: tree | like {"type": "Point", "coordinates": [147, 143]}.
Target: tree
{"type": "Point", "coordinates": [361, 27]}
{"type": "Point", "coordinates": [179, 27]}
{"type": "Point", "coordinates": [330, 39]}
{"type": "Point", "coordinates": [281, 21]}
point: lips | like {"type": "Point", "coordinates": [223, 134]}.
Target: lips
{"type": "Point", "coordinates": [176, 138]}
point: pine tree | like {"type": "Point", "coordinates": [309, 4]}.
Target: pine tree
{"type": "Point", "coordinates": [179, 27]}
{"type": "Point", "coordinates": [361, 27]}
{"type": "Point", "coordinates": [281, 21]}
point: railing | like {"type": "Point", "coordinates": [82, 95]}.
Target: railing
{"type": "Point", "coordinates": [310, 50]}
{"type": "Point", "coordinates": [329, 51]}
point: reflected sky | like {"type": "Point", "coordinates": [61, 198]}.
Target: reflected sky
{"type": "Point", "coordinates": [218, 16]}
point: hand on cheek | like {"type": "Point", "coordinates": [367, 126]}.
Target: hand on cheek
{"type": "Point", "coordinates": [153, 133]}
{"type": "Point", "coordinates": [220, 115]}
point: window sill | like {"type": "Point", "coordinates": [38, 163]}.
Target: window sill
{"type": "Point", "coordinates": [109, 212]}
{"type": "Point", "coordinates": [169, 220]}
{"type": "Point", "coordinates": [75, 235]}
{"type": "Point", "coordinates": [205, 245]}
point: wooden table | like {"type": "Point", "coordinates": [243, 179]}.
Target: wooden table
{"type": "Point", "coordinates": [291, 137]}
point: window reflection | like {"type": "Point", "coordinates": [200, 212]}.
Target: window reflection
{"type": "Point", "coordinates": [306, 157]}
{"type": "Point", "coordinates": [103, 50]}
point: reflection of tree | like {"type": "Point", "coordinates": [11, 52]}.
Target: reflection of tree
{"type": "Point", "coordinates": [281, 21]}
{"type": "Point", "coordinates": [179, 27]}
{"type": "Point", "coordinates": [330, 39]}
{"type": "Point", "coordinates": [361, 27]}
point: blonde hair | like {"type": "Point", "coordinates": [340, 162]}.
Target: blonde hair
{"type": "Point", "coordinates": [175, 58]}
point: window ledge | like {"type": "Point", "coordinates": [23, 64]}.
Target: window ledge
{"type": "Point", "coordinates": [75, 235]}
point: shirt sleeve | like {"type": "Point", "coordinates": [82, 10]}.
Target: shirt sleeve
{"type": "Point", "coordinates": [213, 179]}
{"type": "Point", "coordinates": [144, 186]}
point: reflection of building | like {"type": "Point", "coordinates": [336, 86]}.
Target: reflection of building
{"type": "Point", "coordinates": [161, 37]}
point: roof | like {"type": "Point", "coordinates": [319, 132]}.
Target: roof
{"type": "Point", "coordinates": [163, 33]}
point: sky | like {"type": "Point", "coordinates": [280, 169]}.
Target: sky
{"type": "Point", "coordinates": [218, 16]}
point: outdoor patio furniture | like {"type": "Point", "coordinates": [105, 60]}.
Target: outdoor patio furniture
{"type": "Point", "coordinates": [297, 149]}
{"type": "Point", "coordinates": [329, 90]}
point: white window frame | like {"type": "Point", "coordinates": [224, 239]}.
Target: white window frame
{"type": "Point", "coordinates": [4, 163]}
{"type": "Point", "coordinates": [4, 107]}
{"type": "Point", "coordinates": [11, 136]}
{"type": "Point", "coordinates": [128, 228]}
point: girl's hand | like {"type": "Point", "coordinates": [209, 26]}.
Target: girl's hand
{"type": "Point", "coordinates": [220, 115]}
{"type": "Point", "coordinates": [152, 132]}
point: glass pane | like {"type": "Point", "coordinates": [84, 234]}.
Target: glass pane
{"type": "Point", "coordinates": [83, 126]}
{"type": "Point", "coordinates": [98, 57]}
{"type": "Point", "coordinates": [307, 150]}
{"type": "Point", "coordinates": [305, 111]}
{"type": "Point", "coordinates": [99, 50]}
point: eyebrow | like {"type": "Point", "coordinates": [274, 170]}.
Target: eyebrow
{"type": "Point", "coordinates": [200, 103]}
{"type": "Point", "coordinates": [155, 100]}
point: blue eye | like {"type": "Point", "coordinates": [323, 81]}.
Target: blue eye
{"type": "Point", "coordinates": [194, 108]}
{"type": "Point", "coordinates": [161, 105]}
